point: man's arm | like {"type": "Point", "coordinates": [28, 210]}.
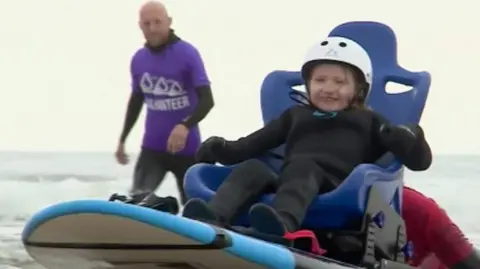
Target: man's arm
{"type": "Point", "coordinates": [201, 83]}
{"type": "Point", "coordinates": [205, 104]}
{"type": "Point", "coordinates": [134, 108]}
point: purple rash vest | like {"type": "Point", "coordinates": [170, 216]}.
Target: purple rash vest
{"type": "Point", "coordinates": [168, 80]}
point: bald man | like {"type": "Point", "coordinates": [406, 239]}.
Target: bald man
{"type": "Point", "coordinates": [169, 77]}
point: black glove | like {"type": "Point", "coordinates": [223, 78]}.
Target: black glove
{"type": "Point", "coordinates": [210, 150]}
{"type": "Point", "coordinates": [400, 138]}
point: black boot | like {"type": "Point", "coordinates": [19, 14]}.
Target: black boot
{"type": "Point", "coordinates": [267, 225]}
{"type": "Point", "coordinates": [134, 198]}
{"type": "Point", "coordinates": [265, 219]}
{"type": "Point", "coordinates": [200, 210]}
{"type": "Point", "coordinates": [167, 204]}
{"type": "Point", "coordinates": [137, 197]}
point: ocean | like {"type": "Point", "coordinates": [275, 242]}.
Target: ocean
{"type": "Point", "coordinates": [32, 181]}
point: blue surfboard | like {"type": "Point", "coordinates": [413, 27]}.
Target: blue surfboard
{"type": "Point", "coordinates": [103, 234]}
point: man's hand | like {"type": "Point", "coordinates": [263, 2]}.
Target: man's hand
{"type": "Point", "coordinates": [120, 155]}
{"type": "Point", "coordinates": [177, 139]}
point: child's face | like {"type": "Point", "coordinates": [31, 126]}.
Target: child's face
{"type": "Point", "coordinates": [331, 87]}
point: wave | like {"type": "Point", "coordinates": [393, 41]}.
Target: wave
{"type": "Point", "coordinates": [56, 178]}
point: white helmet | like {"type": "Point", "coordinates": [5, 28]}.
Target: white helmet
{"type": "Point", "coordinates": [343, 50]}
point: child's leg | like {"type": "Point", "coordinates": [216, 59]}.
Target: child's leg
{"type": "Point", "coordinates": [241, 188]}
{"type": "Point", "coordinates": [300, 182]}
{"type": "Point", "coordinates": [245, 184]}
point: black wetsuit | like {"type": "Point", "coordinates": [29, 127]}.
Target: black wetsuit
{"type": "Point", "coordinates": [321, 149]}
{"type": "Point", "coordinates": [152, 165]}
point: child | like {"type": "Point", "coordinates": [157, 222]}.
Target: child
{"type": "Point", "coordinates": [324, 140]}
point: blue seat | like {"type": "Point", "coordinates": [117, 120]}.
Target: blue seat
{"type": "Point", "coordinates": [335, 209]}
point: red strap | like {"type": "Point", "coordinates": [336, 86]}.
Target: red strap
{"type": "Point", "coordinates": [316, 248]}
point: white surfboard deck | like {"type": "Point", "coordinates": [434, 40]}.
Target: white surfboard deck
{"type": "Point", "coordinates": [98, 234]}
{"type": "Point", "coordinates": [106, 229]}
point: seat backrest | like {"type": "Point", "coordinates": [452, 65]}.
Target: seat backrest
{"type": "Point", "coordinates": [275, 93]}
{"type": "Point", "coordinates": [380, 42]}
{"type": "Point", "coordinates": [274, 100]}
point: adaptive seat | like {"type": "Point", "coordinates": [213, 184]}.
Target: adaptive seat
{"type": "Point", "coordinates": [336, 208]}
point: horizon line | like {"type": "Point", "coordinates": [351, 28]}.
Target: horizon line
{"type": "Point", "coordinates": [136, 152]}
